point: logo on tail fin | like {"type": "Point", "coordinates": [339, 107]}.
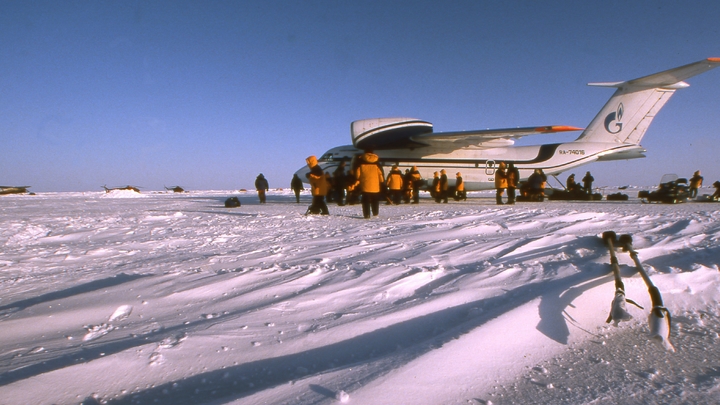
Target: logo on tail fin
{"type": "Point", "coordinates": [615, 119]}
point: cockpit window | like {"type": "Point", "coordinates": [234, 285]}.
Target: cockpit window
{"type": "Point", "coordinates": [328, 157]}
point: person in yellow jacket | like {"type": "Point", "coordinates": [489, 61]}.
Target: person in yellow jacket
{"type": "Point", "coordinates": [695, 183]}
{"type": "Point", "coordinates": [415, 183]}
{"type": "Point", "coordinates": [318, 186]}
{"type": "Point", "coordinates": [501, 182]}
{"type": "Point", "coordinates": [443, 187]}
{"type": "Point", "coordinates": [395, 184]}
{"type": "Point", "coordinates": [369, 178]}
{"type": "Point", "coordinates": [459, 187]}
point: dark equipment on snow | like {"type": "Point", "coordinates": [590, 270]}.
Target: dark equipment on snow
{"type": "Point", "coordinates": [176, 189]}
{"type": "Point", "coordinates": [572, 195]}
{"type": "Point", "coordinates": [14, 190]}
{"type": "Point", "coordinates": [129, 188]}
{"type": "Point", "coordinates": [617, 197]}
{"type": "Point", "coordinates": [232, 202]}
{"type": "Point", "coordinates": [527, 194]}
{"type": "Point", "coordinates": [672, 190]}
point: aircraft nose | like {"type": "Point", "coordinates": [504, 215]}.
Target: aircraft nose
{"type": "Point", "coordinates": [302, 173]}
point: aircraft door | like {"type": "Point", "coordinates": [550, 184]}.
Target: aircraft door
{"type": "Point", "coordinates": [490, 167]}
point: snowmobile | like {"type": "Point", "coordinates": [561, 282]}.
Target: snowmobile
{"type": "Point", "coordinates": [672, 190]}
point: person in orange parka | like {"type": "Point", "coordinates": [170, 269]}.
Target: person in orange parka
{"type": "Point", "coordinates": [501, 182]}
{"type": "Point", "coordinates": [318, 186]}
{"type": "Point", "coordinates": [369, 177]}
{"type": "Point", "coordinates": [395, 184]}
{"type": "Point", "coordinates": [459, 187]}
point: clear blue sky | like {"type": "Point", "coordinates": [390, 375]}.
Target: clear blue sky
{"type": "Point", "coordinates": [207, 94]}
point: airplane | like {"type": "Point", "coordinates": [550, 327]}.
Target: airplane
{"type": "Point", "coordinates": [614, 134]}
{"type": "Point", "coordinates": [13, 189]}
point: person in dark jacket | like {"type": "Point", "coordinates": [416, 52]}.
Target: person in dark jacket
{"type": "Point", "coordinates": [296, 185]}
{"type": "Point", "coordinates": [571, 184]}
{"type": "Point", "coordinates": [587, 183]}
{"type": "Point", "coordinates": [513, 178]}
{"type": "Point", "coordinates": [261, 185]}
{"type": "Point", "coordinates": [339, 184]}
{"type": "Point", "coordinates": [536, 182]}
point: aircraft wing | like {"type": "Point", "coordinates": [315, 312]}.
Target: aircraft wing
{"type": "Point", "coordinates": [487, 137]}
{"type": "Point", "coordinates": [411, 133]}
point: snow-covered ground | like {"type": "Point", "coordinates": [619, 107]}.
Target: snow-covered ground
{"type": "Point", "coordinates": [163, 298]}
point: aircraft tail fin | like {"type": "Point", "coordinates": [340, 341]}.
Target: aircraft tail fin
{"type": "Point", "coordinates": [631, 109]}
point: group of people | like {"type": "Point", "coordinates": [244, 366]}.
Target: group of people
{"type": "Point", "coordinates": [574, 186]}
{"type": "Point", "coordinates": [365, 181]}
{"type": "Point", "coordinates": [507, 178]}
{"type": "Point", "coordinates": [696, 181]}
{"type": "Point", "coordinates": [440, 189]}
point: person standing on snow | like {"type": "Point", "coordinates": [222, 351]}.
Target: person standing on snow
{"type": "Point", "coordinates": [318, 186]}
{"type": "Point", "coordinates": [459, 188]}
{"type": "Point", "coordinates": [369, 178]}
{"type": "Point", "coordinates": [415, 183]}
{"type": "Point", "coordinates": [339, 184]}
{"type": "Point", "coordinates": [501, 183]}
{"type": "Point", "coordinates": [513, 178]}
{"type": "Point", "coordinates": [587, 183]}
{"type": "Point", "coordinates": [395, 184]}
{"type": "Point", "coordinates": [695, 183]}
{"type": "Point", "coordinates": [435, 190]}
{"type": "Point", "coordinates": [297, 186]}
{"type": "Point", "coordinates": [443, 186]}
{"type": "Point", "coordinates": [261, 185]}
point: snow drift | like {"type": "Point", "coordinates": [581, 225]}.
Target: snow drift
{"type": "Point", "coordinates": [175, 299]}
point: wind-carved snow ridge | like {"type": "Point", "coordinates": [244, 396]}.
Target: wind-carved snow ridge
{"type": "Point", "coordinates": [98, 331]}
{"type": "Point", "coordinates": [186, 301]}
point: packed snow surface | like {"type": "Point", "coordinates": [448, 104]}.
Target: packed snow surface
{"type": "Point", "coordinates": [171, 298]}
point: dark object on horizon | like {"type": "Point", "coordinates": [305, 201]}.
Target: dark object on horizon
{"type": "Point", "coordinates": [617, 197]}
{"type": "Point", "coordinates": [130, 188]}
{"type": "Point", "coordinates": [672, 190]}
{"type": "Point", "coordinates": [232, 202]}
{"type": "Point", "coordinates": [176, 189]}
{"type": "Point", "coordinates": [576, 194]}
{"type": "Point", "coordinates": [14, 190]}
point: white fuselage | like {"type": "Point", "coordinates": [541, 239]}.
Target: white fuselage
{"type": "Point", "coordinates": [478, 166]}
